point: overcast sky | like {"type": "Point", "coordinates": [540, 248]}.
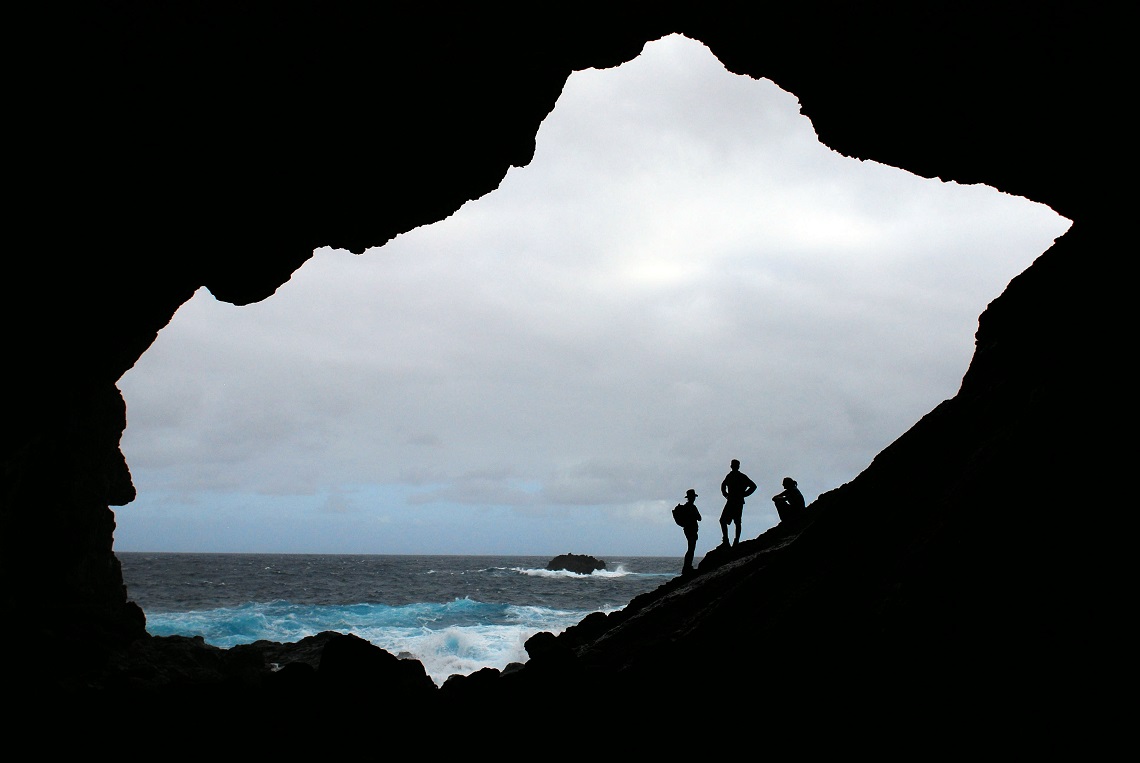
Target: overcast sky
{"type": "Point", "coordinates": [682, 276]}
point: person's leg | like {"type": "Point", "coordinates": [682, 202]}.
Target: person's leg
{"type": "Point", "coordinates": [724, 530]}
{"type": "Point", "coordinates": [737, 538]}
{"type": "Point", "coordinates": [781, 507]}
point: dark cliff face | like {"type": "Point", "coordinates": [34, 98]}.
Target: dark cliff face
{"type": "Point", "coordinates": [167, 146]}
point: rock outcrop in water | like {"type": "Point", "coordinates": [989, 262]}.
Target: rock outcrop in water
{"type": "Point", "coordinates": [583, 564]}
{"type": "Point", "coordinates": [964, 580]}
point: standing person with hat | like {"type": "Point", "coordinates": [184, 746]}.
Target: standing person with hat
{"type": "Point", "coordinates": [687, 515]}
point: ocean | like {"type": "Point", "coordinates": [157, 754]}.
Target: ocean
{"type": "Point", "coordinates": [455, 614]}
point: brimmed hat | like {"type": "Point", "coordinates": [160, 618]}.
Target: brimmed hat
{"type": "Point", "coordinates": [690, 493]}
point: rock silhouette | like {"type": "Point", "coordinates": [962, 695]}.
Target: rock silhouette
{"type": "Point", "coordinates": [583, 564]}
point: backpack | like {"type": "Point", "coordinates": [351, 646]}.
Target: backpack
{"type": "Point", "coordinates": [680, 514]}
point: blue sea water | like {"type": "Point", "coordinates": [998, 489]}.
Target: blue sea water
{"type": "Point", "coordinates": [455, 614]}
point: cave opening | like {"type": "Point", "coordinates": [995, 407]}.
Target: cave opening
{"type": "Point", "coordinates": [682, 275]}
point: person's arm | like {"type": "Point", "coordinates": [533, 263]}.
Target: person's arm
{"type": "Point", "coordinates": [749, 488]}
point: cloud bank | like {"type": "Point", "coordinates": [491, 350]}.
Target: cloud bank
{"type": "Point", "coordinates": [682, 276]}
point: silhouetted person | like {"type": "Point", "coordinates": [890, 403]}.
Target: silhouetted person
{"type": "Point", "coordinates": [790, 501]}
{"type": "Point", "coordinates": [735, 487]}
{"type": "Point", "coordinates": [687, 516]}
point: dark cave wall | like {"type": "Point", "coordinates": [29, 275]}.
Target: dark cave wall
{"type": "Point", "coordinates": [177, 145]}
{"type": "Point", "coordinates": [993, 93]}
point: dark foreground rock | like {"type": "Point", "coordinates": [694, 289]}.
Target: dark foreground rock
{"type": "Point", "coordinates": [583, 564]}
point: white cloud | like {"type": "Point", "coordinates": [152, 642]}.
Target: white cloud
{"type": "Point", "coordinates": [682, 276]}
